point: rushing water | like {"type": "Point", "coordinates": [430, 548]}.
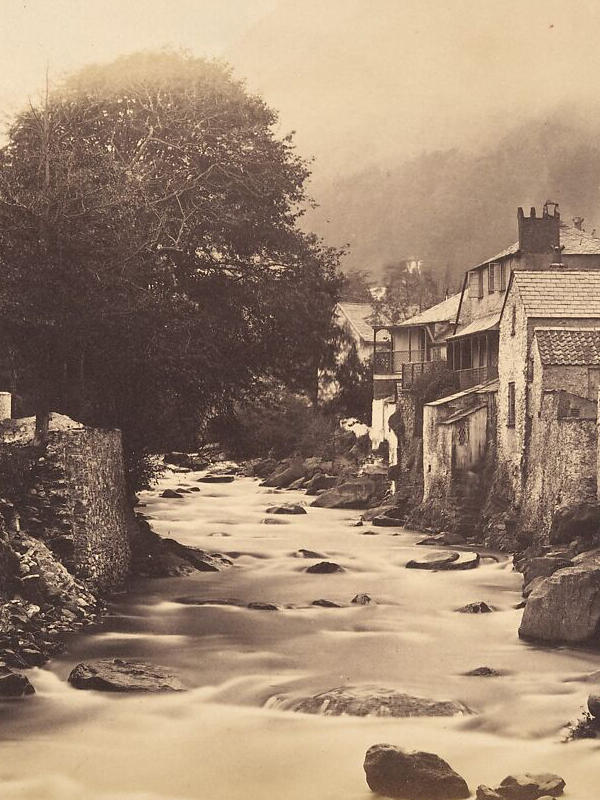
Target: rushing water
{"type": "Point", "coordinates": [230, 736]}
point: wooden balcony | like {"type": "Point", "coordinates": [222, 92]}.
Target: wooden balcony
{"type": "Point", "coordinates": [472, 377]}
{"type": "Point", "coordinates": [388, 362]}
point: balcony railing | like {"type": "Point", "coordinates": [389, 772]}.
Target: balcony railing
{"type": "Point", "coordinates": [413, 371]}
{"type": "Point", "coordinates": [472, 377]}
{"type": "Point", "coordinates": [387, 362]}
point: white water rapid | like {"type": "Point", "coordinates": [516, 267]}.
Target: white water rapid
{"type": "Point", "coordinates": [230, 736]}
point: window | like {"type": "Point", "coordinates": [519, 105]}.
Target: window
{"type": "Point", "coordinates": [493, 275]}
{"type": "Point", "coordinates": [476, 283]}
{"type": "Point", "coordinates": [530, 369]}
{"type": "Point", "coordinates": [511, 406]}
{"type": "Point", "coordinates": [502, 281]}
{"type": "Point", "coordinates": [463, 432]}
{"type": "Point", "coordinates": [513, 321]}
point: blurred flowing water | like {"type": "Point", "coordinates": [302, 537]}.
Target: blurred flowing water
{"type": "Point", "coordinates": [231, 736]}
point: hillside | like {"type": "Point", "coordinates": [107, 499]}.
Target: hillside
{"type": "Point", "coordinates": [453, 208]}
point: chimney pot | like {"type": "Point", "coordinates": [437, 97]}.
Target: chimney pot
{"type": "Point", "coordinates": [541, 234]}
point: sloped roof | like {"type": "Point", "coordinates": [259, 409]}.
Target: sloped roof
{"type": "Point", "coordinates": [479, 325]}
{"type": "Point", "coordinates": [559, 292]}
{"type": "Point", "coordinates": [445, 311]}
{"type": "Point", "coordinates": [575, 242]}
{"type": "Point", "coordinates": [568, 346]}
{"type": "Point", "coordinates": [358, 315]}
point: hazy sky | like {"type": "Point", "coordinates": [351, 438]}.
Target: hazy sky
{"type": "Point", "coordinates": [360, 80]}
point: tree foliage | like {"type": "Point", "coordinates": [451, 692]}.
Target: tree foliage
{"type": "Point", "coordinates": [153, 270]}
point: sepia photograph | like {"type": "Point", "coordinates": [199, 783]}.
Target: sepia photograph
{"type": "Point", "coordinates": [299, 394]}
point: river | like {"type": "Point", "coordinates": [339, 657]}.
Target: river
{"type": "Point", "coordinates": [231, 736]}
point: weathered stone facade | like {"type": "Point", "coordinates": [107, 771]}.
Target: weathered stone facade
{"type": "Point", "coordinates": [76, 499]}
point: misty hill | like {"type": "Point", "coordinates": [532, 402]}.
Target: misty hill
{"type": "Point", "coordinates": [452, 208]}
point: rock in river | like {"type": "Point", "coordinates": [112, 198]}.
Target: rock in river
{"type": "Point", "coordinates": [171, 494]}
{"type": "Point", "coordinates": [217, 479]}
{"type": "Point", "coordinates": [475, 608]}
{"type": "Point", "coordinates": [14, 684]}
{"type": "Point", "coordinates": [435, 560]}
{"type": "Point", "coordinates": [324, 568]}
{"type": "Point", "coordinates": [564, 607]}
{"type": "Point", "coordinates": [529, 787]}
{"type": "Point", "coordinates": [365, 701]}
{"type": "Point", "coordinates": [326, 604]}
{"type": "Point", "coordinates": [302, 553]}
{"type": "Point", "coordinates": [287, 508]}
{"type": "Point", "coordinates": [355, 493]}
{"type": "Point", "coordinates": [393, 772]}
{"type": "Point", "coordinates": [116, 675]}
{"type": "Point", "coordinates": [361, 600]}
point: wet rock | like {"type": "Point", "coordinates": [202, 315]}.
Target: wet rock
{"type": "Point", "coordinates": [355, 493]}
{"type": "Point", "coordinates": [593, 704]}
{"type": "Point", "coordinates": [363, 701]}
{"type": "Point", "coordinates": [361, 600]}
{"type": "Point", "coordinates": [487, 793]}
{"type": "Point", "coordinates": [530, 587]}
{"type": "Point", "coordinates": [13, 684]}
{"type": "Point", "coordinates": [326, 604]}
{"type": "Point", "coordinates": [171, 494]}
{"type": "Point", "coordinates": [302, 553]}
{"type": "Point", "coordinates": [158, 557]}
{"type": "Point", "coordinates": [262, 469]}
{"type": "Point", "coordinates": [116, 675]}
{"type": "Point", "coordinates": [475, 608]}
{"type": "Point", "coordinates": [324, 568]}
{"type": "Point", "coordinates": [385, 521]}
{"type": "Point", "coordinates": [284, 475]}
{"type": "Point", "coordinates": [433, 560]}
{"type": "Point", "coordinates": [273, 521]}
{"type": "Point", "coordinates": [258, 606]}
{"type": "Point", "coordinates": [192, 600]}
{"type": "Point", "coordinates": [393, 772]}
{"type": "Point", "coordinates": [432, 541]}
{"type": "Point", "coordinates": [194, 488]}
{"type": "Point", "coordinates": [530, 787]}
{"type": "Point", "coordinates": [320, 481]}
{"type": "Point", "coordinates": [564, 607]}
{"type": "Point", "coordinates": [217, 479]}
{"type": "Point", "coordinates": [369, 533]}
{"type": "Point", "coordinates": [484, 672]}
{"type": "Point", "coordinates": [287, 508]}
{"type": "Point", "coordinates": [543, 567]}
{"type": "Point", "coordinates": [577, 520]}
{"type": "Point", "coordinates": [464, 561]}
{"type": "Point", "coordinates": [299, 484]}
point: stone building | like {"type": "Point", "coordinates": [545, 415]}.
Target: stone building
{"type": "Point", "coordinates": [558, 298]}
{"type": "Point", "coordinates": [543, 240]}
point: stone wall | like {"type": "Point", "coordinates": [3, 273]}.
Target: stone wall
{"type": "Point", "coordinates": [100, 512]}
{"type": "Point", "coordinates": [75, 498]}
{"type": "Point", "coordinates": [562, 462]}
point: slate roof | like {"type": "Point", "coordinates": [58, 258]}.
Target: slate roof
{"type": "Point", "coordinates": [559, 292]}
{"type": "Point", "coordinates": [445, 311]}
{"type": "Point", "coordinates": [358, 315]}
{"type": "Point", "coordinates": [568, 346]}
{"type": "Point", "coordinates": [575, 242]}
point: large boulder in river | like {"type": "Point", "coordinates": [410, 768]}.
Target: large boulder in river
{"type": "Point", "coordinates": [564, 607]}
{"type": "Point", "coordinates": [436, 560]}
{"type": "Point", "coordinates": [577, 520]}
{"type": "Point", "coordinates": [543, 567]}
{"type": "Point", "coordinates": [284, 475]}
{"type": "Point", "coordinates": [320, 481]}
{"type": "Point", "coordinates": [355, 493]}
{"type": "Point", "coordinates": [14, 684]}
{"type": "Point", "coordinates": [392, 772]}
{"type": "Point", "coordinates": [373, 701]}
{"type": "Point", "coordinates": [116, 675]}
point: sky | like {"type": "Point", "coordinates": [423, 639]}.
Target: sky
{"type": "Point", "coordinates": [360, 81]}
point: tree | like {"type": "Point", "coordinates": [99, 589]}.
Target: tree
{"type": "Point", "coordinates": [408, 291]}
{"type": "Point", "coordinates": [356, 286]}
{"type": "Point", "coordinates": [152, 267]}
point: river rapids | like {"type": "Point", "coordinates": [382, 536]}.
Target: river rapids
{"type": "Point", "coordinates": [233, 735]}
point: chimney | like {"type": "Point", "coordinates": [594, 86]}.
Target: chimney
{"type": "Point", "coordinates": [539, 234]}
{"type": "Point", "coordinates": [5, 406]}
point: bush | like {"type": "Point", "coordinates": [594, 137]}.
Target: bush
{"type": "Point", "coordinates": [279, 424]}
